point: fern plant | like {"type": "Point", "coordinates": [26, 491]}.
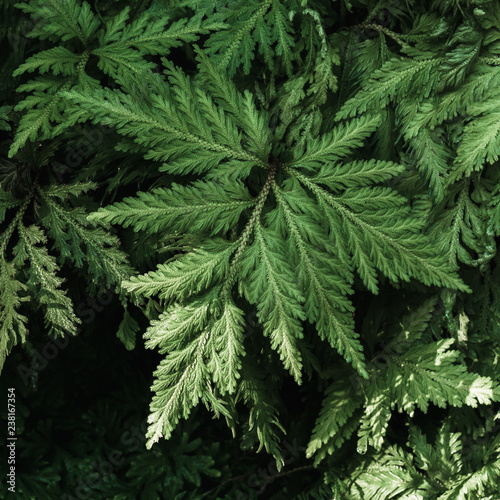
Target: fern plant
{"type": "Point", "coordinates": [274, 237]}
{"type": "Point", "coordinates": [337, 180]}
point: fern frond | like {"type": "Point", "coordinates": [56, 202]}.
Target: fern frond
{"type": "Point", "coordinates": [322, 281]}
{"type": "Point", "coordinates": [41, 108]}
{"type": "Point", "coordinates": [4, 117]}
{"type": "Point", "coordinates": [337, 144]}
{"type": "Point", "coordinates": [188, 274]}
{"type": "Point", "coordinates": [127, 330]}
{"type": "Point", "coordinates": [332, 425]}
{"type": "Point", "coordinates": [397, 77]}
{"type": "Point", "coordinates": [80, 241]}
{"type": "Point", "coordinates": [226, 348]}
{"type": "Point", "coordinates": [58, 60]}
{"type": "Point", "coordinates": [256, 392]}
{"type": "Point", "coordinates": [44, 283]}
{"type": "Point", "coordinates": [281, 29]}
{"type": "Point", "coordinates": [66, 19]}
{"type": "Point", "coordinates": [44, 107]}
{"type": "Point", "coordinates": [480, 139]}
{"type": "Point", "coordinates": [122, 46]}
{"type": "Point", "coordinates": [271, 285]}
{"type": "Point", "coordinates": [12, 323]}
{"type": "Point", "coordinates": [431, 156]}
{"type": "Point", "coordinates": [457, 230]}
{"type": "Point", "coordinates": [475, 483]}
{"type": "Point", "coordinates": [440, 387]}
{"type": "Point", "coordinates": [428, 372]}
{"type": "Point", "coordinates": [466, 42]}
{"type": "Point", "coordinates": [392, 475]}
{"type": "Point", "coordinates": [356, 173]}
{"type": "Point", "coordinates": [179, 145]}
{"type": "Point", "coordinates": [255, 122]}
{"type": "Point", "coordinates": [454, 102]}
{"type": "Point", "coordinates": [379, 215]}
{"type": "Point", "coordinates": [7, 201]}
{"type": "Point", "coordinates": [182, 378]}
{"type": "Point", "coordinates": [265, 23]}
{"type": "Point", "coordinates": [204, 206]}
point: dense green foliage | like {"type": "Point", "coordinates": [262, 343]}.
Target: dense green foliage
{"type": "Point", "coordinates": [294, 206]}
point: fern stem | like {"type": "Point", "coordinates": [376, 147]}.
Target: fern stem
{"type": "Point", "coordinates": [249, 228]}
{"type": "Point", "coordinates": [83, 61]}
{"type": "Point", "coordinates": [384, 30]}
{"type": "Point", "coordinates": [495, 61]}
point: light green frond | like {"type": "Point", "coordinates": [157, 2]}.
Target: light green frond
{"type": "Point", "coordinates": [177, 324]}
{"type": "Point", "coordinates": [394, 476]}
{"type": "Point", "coordinates": [187, 335]}
{"type": "Point", "coordinates": [43, 281]}
{"type": "Point", "coordinates": [375, 421]}
{"type": "Point", "coordinates": [225, 347]}
{"type": "Point", "coordinates": [188, 274]}
{"type": "Point", "coordinates": [12, 322]}
{"type": "Point", "coordinates": [339, 404]}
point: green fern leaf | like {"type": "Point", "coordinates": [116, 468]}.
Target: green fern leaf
{"type": "Point", "coordinates": [271, 286]}
{"type": "Point", "coordinates": [182, 377]}
{"type": "Point", "coordinates": [127, 330]}
{"type": "Point", "coordinates": [122, 47]}
{"type": "Point", "coordinates": [58, 60]}
{"type": "Point", "coordinates": [480, 139]}
{"type": "Point", "coordinates": [397, 77]}
{"type": "Point", "coordinates": [66, 19]}
{"type": "Point", "coordinates": [339, 405]}
{"type": "Point", "coordinates": [44, 283]}
{"type": "Point", "coordinates": [204, 206]}
{"type": "Point", "coordinates": [12, 323]}
{"type": "Point", "coordinates": [78, 240]}
{"type": "Point", "coordinates": [4, 117]}
{"type": "Point", "coordinates": [187, 275]}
